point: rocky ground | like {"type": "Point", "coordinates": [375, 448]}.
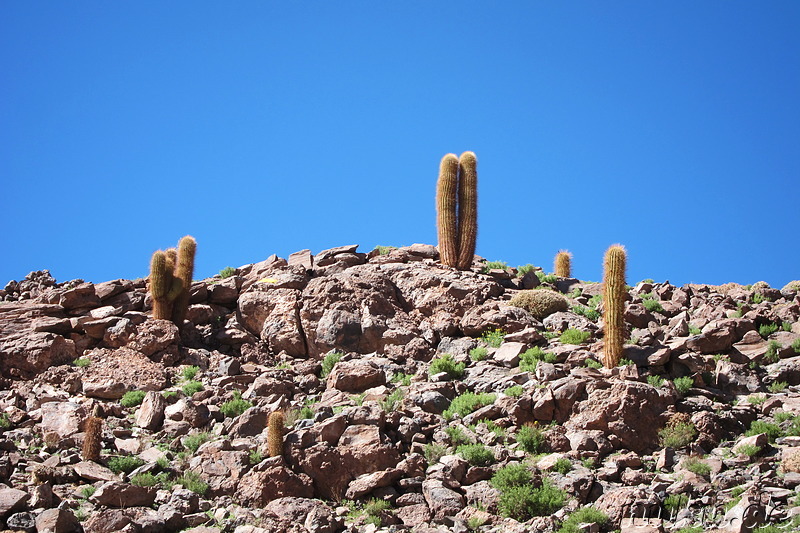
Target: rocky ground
{"type": "Point", "coordinates": [415, 397]}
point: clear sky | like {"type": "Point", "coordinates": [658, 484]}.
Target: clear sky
{"type": "Point", "coordinates": [268, 127]}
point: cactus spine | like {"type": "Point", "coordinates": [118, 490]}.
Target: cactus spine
{"type": "Point", "coordinates": [171, 279]}
{"type": "Point", "coordinates": [275, 430]}
{"type": "Point", "coordinates": [467, 209]}
{"type": "Point", "coordinates": [446, 192]}
{"type": "Point", "coordinates": [614, 304]}
{"type": "Point", "coordinates": [184, 270]}
{"type": "Point", "coordinates": [457, 209]}
{"type": "Point", "coordinates": [563, 264]}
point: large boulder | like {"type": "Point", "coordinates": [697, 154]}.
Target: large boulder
{"type": "Point", "coordinates": [273, 316]}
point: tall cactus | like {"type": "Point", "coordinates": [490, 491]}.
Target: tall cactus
{"type": "Point", "coordinates": [563, 264]}
{"type": "Point", "coordinates": [276, 426]}
{"type": "Point", "coordinates": [467, 209]}
{"type": "Point", "coordinates": [457, 209]}
{"type": "Point", "coordinates": [446, 193]}
{"type": "Point", "coordinates": [614, 293]}
{"type": "Point", "coordinates": [161, 282]}
{"type": "Point", "coordinates": [184, 270]}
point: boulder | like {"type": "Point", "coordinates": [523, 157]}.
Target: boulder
{"type": "Point", "coordinates": [355, 376]}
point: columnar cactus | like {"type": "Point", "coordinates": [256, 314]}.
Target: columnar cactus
{"type": "Point", "coordinates": [563, 264]}
{"type": "Point", "coordinates": [614, 293]}
{"type": "Point", "coordinates": [275, 429]}
{"type": "Point", "coordinates": [170, 280]}
{"type": "Point", "coordinates": [446, 193]}
{"type": "Point", "coordinates": [467, 209]}
{"type": "Point", "coordinates": [93, 432]}
{"type": "Point", "coordinates": [457, 209]}
{"type": "Point", "coordinates": [184, 269]}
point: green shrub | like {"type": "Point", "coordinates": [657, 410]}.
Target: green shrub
{"type": "Point", "coordinates": [124, 463]}
{"type": "Point", "coordinates": [782, 416]}
{"type": "Point", "coordinates": [757, 427]}
{"type": "Point", "coordinates": [5, 422]}
{"type": "Point", "coordinates": [191, 387]}
{"type": "Point", "coordinates": [227, 272]}
{"type": "Point", "coordinates": [694, 330]}
{"type": "Point", "coordinates": [562, 465]}
{"type": "Point", "coordinates": [402, 379]}
{"type": "Point", "coordinates": [193, 442]}
{"type": "Point", "coordinates": [546, 278]}
{"type": "Point", "coordinates": [373, 510]}
{"type": "Point", "coordinates": [765, 330]}
{"type": "Point", "coordinates": [539, 303]}
{"type": "Point", "coordinates": [786, 326]}
{"type": "Point", "coordinates": [625, 362]}
{"type": "Point", "coordinates": [796, 345]}
{"type": "Point", "coordinates": [777, 386]}
{"type": "Point", "coordinates": [493, 338]}
{"type": "Point", "coordinates": [772, 353]}
{"type": "Point", "coordinates": [675, 502]}
{"type": "Point", "coordinates": [81, 362]}
{"type": "Point", "coordinates": [531, 439]}
{"type": "Point", "coordinates": [478, 354]}
{"type": "Point", "coordinates": [591, 363]}
{"type": "Point", "coordinates": [193, 482]}
{"type": "Point", "coordinates": [691, 529]}
{"type": "Point", "coordinates": [655, 380]}
{"type": "Point", "coordinates": [476, 454]}
{"type": "Point", "coordinates": [591, 314]}
{"type": "Point", "coordinates": [433, 452]}
{"type": "Point", "coordinates": [584, 515]}
{"type": "Point", "coordinates": [589, 462]}
{"type": "Point", "coordinates": [524, 269]}
{"type": "Point", "coordinates": [653, 306]}
{"type": "Point", "coordinates": [491, 265]}
{"type": "Point", "coordinates": [147, 479]}
{"type": "Point", "coordinates": [594, 301]}
{"type": "Point", "coordinates": [749, 450]}
{"type": "Point", "coordinates": [169, 394]}
{"type": "Point", "coordinates": [514, 391]}
{"type": "Point", "coordinates": [464, 404]}
{"type": "Point", "coordinates": [189, 372]}
{"type": "Point", "coordinates": [531, 357]}
{"type": "Point", "coordinates": [575, 336]}
{"type": "Point", "coordinates": [448, 365]}
{"type": "Point", "coordinates": [328, 363]}
{"type": "Point", "coordinates": [695, 465]}
{"type": "Point", "coordinates": [87, 491]}
{"type": "Point", "coordinates": [132, 398]}
{"type": "Point", "coordinates": [677, 435]}
{"type": "Point", "coordinates": [524, 502]}
{"type": "Point", "coordinates": [457, 435]}
{"type": "Point", "coordinates": [392, 401]}
{"type": "Point", "coordinates": [756, 399]}
{"type": "Point", "coordinates": [757, 298]}
{"type": "Point", "coordinates": [511, 475]}
{"type": "Point", "coordinates": [682, 385]}
{"type": "Point", "coordinates": [385, 250]}
{"type": "Point", "coordinates": [235, 407]}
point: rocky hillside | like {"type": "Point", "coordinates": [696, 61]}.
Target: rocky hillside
{"type": "Point", "coordinates": [414, 396]}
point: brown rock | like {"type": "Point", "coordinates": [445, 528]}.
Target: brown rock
{"type": "Point", "coordinates": [24, 353]}
{"type": "Point", "coordinates": [442, 501]}
{"type": "Point", "coordinates": [363, 485]}
{"type": "Point", "coordinates": [155, 336]}
{"type": "Point", "coordinates": [355, 376]}
{"type": "Point", "coordinates": [150, 414]}
{"type": "Point", "coordinates": [82, 296]}
{"type": "Point", "coordinates": [118, 494]}
{"type": "Point", "coordinates": [57, 521]}
{"type": "Point", "coordinates": [274, 481]}
{"type": "Point", "coordinates": [94, 472]}
{"type": "Point", "coordinates": [11, 500]}
{"type": "Point", "coordinates": [273, 315]}
{"type": "Point", "coordinates": [63, 418]}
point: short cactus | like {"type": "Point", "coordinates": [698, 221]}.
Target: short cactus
{"type": "Point", "coordinates": [614, 293]}
{"type": "Point", "coordinates": [92, 437]}
{"type": "Point", "coordinates": [457, 209]}
{"type": "Point", "coordinates": [563, 264]}
{"type": "Point", "coordinates": [539, 303]}
{"type": "Point", "coordinates": [275, 429]}
{"type": "Point", "coordinates": [171, 279]}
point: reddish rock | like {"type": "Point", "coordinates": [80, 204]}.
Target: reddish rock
{"type": "Point", "coordinates": [258, 488]}
{"type": "Point", "coordinates": [150, 414]}
{"type": "Point", "coordinates": [355, 376]}
{"type": "Point", "coordinates": [155, 336]}
{"type": "Point", "coordinates": [57, 521]}
{"type": "Point", "coordinates": [118, 494]}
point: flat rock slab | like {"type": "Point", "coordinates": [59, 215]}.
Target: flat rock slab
{"type": "Point", "coordinates": [94, 472]}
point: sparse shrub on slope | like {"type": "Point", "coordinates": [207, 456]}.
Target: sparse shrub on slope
{"type": "Point", "coordinates": [539, 303]}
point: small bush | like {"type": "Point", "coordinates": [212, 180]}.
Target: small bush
{"type": "Point", "coordinates": [591, 314]}
{"type": "Point", "coordinates": [655, 380]}
{"type": "Point", "coordinates": [493, 338]}
{"type": "Point", "coordinates": [524, 269]}
{"type": "Point", "coordinates": [531, 357]}
{"type": "Point", "coordinates": [531, 439]}
{"type": "Point", "coordinates": [575, 336]}
{"type": "Point", "coordinates": [255, 456]}
{"type": "Point", "coordinates": [786, 326]}
{"type": "Point", "coordinates": [193, 442]}
{"type": "Point", "coordinates": [392, 401]}
{"type": "Point", "coordinates": [524, 502]}
{"type": "Point", "coordinates": [682, 385]}
{"type": "Point", "coordinates": [466, 403]}
{"type": "Point", "coordinates": [235, 407]}
{"type": "Point", "coordinates": [385, 250]}
{"type": "Point", "coordinates": [783, 416]}
{"type": "Point", "coordinates": [778, 386]}
{"type": "Point", "coordinates": [539, 303]}
{"type": "Point", "coordinates": [546, 278]}
{"type": "Point", "coordinates": [511, 475]}
{"type": "Point", "coordinates": [169, 394]}
{"type": "Point", "coordinates": [584, 515]}
{"type": "Point", "coordinates": [694, 330]}
{"type": "Point", "coordinates": [515, 391]}
{"type": "Point", "coordinates": [193, 482]}
{"type": "Point", "coordinates": [562, 465]}
{"type": "Point", "coordinates": [401, 379]}
{"type": "Point", "coordinates": [491, 265]}
{"type": "Point", "coordinates": [677, 434]}
{"type": "Point", "coordinates": [654, 306]}
{"type": "Point", "coordinates": [765, 330]}
{"type": "Point", "coordinates": [87, 491]}
{"type": "Point", "coordinates": [457, 435]}
{"type": "Point", "coordinates": [589, 462]}
{"type": "Point", "coordinates": [476, 454]}
{"type": "Point", "coordinates": [695, 465]}
{"type": "Point", "coordinates": [191, 387]}
{"type": "Point", "coordinates": [772, 353]}
{"type": "Point", "coordinates": [189, 372]}
{"type": "Point", "coordinates": [132, 398]}
{"type": "Point", "coordinates": [675, 502]}
{"type": "Point", "coordinates": [5, 422]}
{"type": "Point", "coordinates": [124, 463]}
{"type": "Point", "coordinates": [757, 298]}
{"type": "Point", "coordinates": [750, 450]}
{"type": "Point", "coordinates": [594, 301]}
{"type": "Point", "coordinates": [478, 354]}
{"type": "Point", "coordinates": [227, 272]}
{"type": "Point", "coordinates": [757, 399]}
{"type": "Point", "coordinates": [591, 363]}
{"type": "Point", "coordinates": [757, 427]}
{"type": "Point", "coordinates": [448, 365]}
{"type": "Point", "coordinates": [147, 479]}
{"type": "Point", "coordinates": [328, 363]}
{"type": "Point", "coordinates": [796, 345]}
{"type": "Point", "coordinates": [434, 452]}
{"type": "Point", "coordinates": [81, 362]}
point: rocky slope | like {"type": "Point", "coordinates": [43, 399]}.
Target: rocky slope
{"type": "Point", "coordinates": [405, 407]}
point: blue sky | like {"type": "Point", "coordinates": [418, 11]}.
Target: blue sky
{"type": "Point", "coordinates": [269, 127]}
